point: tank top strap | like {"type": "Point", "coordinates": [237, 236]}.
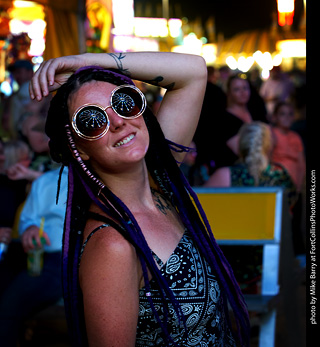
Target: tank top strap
{"type": "Point", "coordinates": [157, 259]}
{"type": "Point", "coordinates": [107, 222]}
{"type": "Point", "coordinates": [88, 238]}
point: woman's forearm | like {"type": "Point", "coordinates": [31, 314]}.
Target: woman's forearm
{"type": "Point", "coordinates": [165, 69]}
{"type": "Point", "coordinates": [172, 71]}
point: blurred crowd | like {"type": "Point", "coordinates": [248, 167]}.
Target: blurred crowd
{"type": "Point", "coordinates": [251, 133]}
{"type": "Point", "coordinates": [28, 186]}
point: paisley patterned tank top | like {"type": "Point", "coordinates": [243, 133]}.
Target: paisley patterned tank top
{"type": "Point", "coordinates": [196, 289]}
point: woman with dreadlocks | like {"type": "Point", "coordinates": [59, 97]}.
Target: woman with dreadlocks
{"type": "Point", "coordinates": [140, 264]}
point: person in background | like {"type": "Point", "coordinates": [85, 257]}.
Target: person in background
{"type": "Point", "coordinates": [257, 106]}
{"type": "Point", "coordinates": [24, 294]}
{"type": "Point", "coordinates": [254, 167]}
{"type": "Point", "coordinates": [213, 107]}
{"type": "Point", "coordinates": [255, 78]}
{"type": "Point", "coordinates": [16, 151]}
{"type": "Point", "coordinates": [288, 151]}
{"type": "Point", "coordinates": [12, 195]}
{"type": "Point", "coordinates": [140, 265]}
{"type": "Point", "coordinates": [22, 72]}
{"type": "Point", "coordinates": [33, 133]}
{"type": "Point", "coordinates": [288, 147]}
{"type": "Point", "coordinates": [276, 88]}
{"type": "Point", "coordinates": [195, 174]}
{"type": "Point", "coordinates": [5, 221]}
{"type": "Point", "coordinates": [223, 76]}
{"type": "Point", "coordinates": [223, 140]}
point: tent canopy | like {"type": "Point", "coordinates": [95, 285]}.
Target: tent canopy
{"type": "Point", "coordinates": [248, 42]}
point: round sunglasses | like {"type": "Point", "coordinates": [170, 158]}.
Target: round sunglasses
{"type": "Point", "coordinates": [91, 121]}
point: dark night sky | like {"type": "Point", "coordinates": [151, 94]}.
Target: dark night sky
{"type": "Point", "coordinates": [231, 16]}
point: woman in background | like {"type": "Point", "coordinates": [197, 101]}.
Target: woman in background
{"type": "Point", "coordinates": [254, 167]}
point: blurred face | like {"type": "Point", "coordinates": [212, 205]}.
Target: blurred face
{"type": "Point", "coordinates": [239, 92]}
{"type": "Point", "coordinates": [126, 141]}
{"type": "Point", "coordinates": [22, 75]}
{"type": "Point", "coordinates": [38, 140]}
{"type": "Point", "coordinates": [284, 117]}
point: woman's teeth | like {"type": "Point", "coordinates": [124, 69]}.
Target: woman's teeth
{"type": "Point", "coordinates": [124, 141]}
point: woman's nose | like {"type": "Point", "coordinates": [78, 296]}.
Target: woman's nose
{"type": "Point", "coordinates": [116, 121]}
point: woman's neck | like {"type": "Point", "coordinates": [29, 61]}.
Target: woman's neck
{"type": "Point", "coordinates": [133, 188]}
{"type": "Point", "coordinates": [282, 130]}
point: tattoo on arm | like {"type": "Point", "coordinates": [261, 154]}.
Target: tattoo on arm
{"type": "Point", "coordinates": [118, 61]}
{"type": "Point", "coordinates": [156, 81]}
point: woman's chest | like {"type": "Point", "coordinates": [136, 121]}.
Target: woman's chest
{"type": "Point", "coordinates": [162, 232]}
{"type": "Point", "coordinates": [196, 290]}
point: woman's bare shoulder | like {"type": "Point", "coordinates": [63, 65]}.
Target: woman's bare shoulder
{"type": "Point", "coordinates": [107, 239]}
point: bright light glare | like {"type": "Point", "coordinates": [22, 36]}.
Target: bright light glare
{"type": "Point", "coordinates": [17, 26]}
{"type": "Point", "coordinates": [277, 60]}
{"type": "Point", "coordinates": [175, 27]}
{"type": "Point", "coordinates": [157, 27]}
{"type": "Point", "coordinates": [285, 6]}
{"type": "Point", "coordinates": [37, 47]}
{"type": "Point", "coordinates": [232, 63]}
{"type": "Point", "coordinates": [154, 27]}
{"type": "Point", "coordinates": [123, 16]}
{"type": "Point", "coordinates": [209, 53]}
{"type": "Point", "coordinates": [191, 44]}
{"type": "Point", "coordinates": [23, 4]}
{"type": "Point", "coordinates": [265, 74]}
{"type": "Point", "coordinates": [263, 59]}
{"type": "Point", "coordinates": [26, 11]}
{"type": "Point", "coordinates": [292, 48]}
{"type": "Point", "coordinates": [257, 55]}
{"type": "Point", "coordinates": [129, 44]}
{"type": "Point", "coordinates": [244, 64]}
{"type": "Point", "coordinates": [36, 29]}
{"type": "Point", "coordinates": [37, 60]}
{"type": "Point", "coordinates": [6, 88]}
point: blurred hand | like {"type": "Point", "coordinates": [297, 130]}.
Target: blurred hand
{"type": "Point", "coordinates": [5, 235]}
{"type": "Point", "coordinates": [19, 172]}
{"type": "Point", "coordinates": [30, 234]}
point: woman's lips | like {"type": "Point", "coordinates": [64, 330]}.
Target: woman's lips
{"type": "Point", "coordinates": [124, 140]}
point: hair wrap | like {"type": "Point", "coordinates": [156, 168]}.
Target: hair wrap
{"type": "Point", "coordinates": [124, 78]}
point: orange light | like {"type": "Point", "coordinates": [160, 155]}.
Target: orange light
{"type": "Point", "coordinates": [285, 12]}
{"type": "Point", "coordinates": [285, 18]}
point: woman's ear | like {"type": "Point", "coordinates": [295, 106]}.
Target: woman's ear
{"type": "Point", "coordinates": [84, 156]}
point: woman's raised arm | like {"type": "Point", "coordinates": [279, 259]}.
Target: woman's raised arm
{"type": "Point", "coordinates": [184, 77]}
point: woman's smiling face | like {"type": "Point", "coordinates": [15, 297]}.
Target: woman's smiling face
{"type": "Point", "coordinates": [126, 141]}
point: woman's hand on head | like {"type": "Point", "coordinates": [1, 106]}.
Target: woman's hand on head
{"type": "Point", "coordinates": [53, 73]}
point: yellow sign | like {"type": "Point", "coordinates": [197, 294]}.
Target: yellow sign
{"type": "Point", "coordinates": [245, 216]}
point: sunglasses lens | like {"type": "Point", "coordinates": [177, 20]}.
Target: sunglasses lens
{"type": "Point", "coordinates": [128, 102]}
{"type": "Point", "coordinates": [91, 122]}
